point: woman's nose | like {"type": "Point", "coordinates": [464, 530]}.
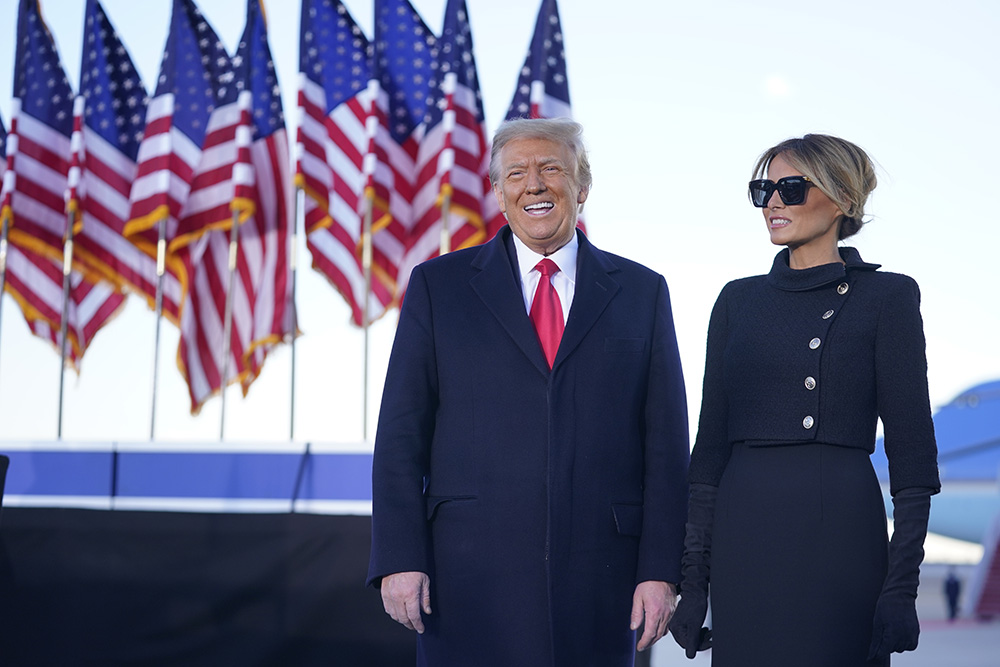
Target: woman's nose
{"type": "Point", "coordinates": [774, 201]}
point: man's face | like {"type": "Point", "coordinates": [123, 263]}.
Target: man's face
{"type": "Point", "coordinates": [538, 192]}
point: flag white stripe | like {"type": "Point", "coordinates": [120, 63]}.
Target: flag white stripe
{"type": "Point", "coordinates": [30, 209]}
{"type": "Point", "coordinates": [47, 290]}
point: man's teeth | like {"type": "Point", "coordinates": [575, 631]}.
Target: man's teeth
{"type": "Point", "coordinates": [539, 206]}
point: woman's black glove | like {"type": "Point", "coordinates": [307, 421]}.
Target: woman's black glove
{"type": "Point", "coordinates": [896, 628]}
{"type": "Point", "coordinates": [686, 623]}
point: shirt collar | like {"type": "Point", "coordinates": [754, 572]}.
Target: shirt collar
{"type": "Point", "coordinates": [565, 258]}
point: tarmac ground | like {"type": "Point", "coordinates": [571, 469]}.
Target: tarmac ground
{"type": "Point", "coordinates": [966, 642]}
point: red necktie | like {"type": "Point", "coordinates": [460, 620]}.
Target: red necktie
{"type": "Point", "coordinates": [546, 311]}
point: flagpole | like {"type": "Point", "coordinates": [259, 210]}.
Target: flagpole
{"type": "Point", "coordinates": [446, 161]}
{"type": "Point", "coordinates": [7, 188]}
{"type": "Point", "coordinates": [161, 265]}
{"type": "Point", "coordinates": [445, 214]}
{"type": "Point", "coordinates": [366, 265]}
{"type": "Point", "coordinates": [368, 168]}
{"type": "Point", "coordinates": [234, 233]}
{"type": "Point", "coordinates": [293, 264]}
{"type": "Point", "coordinates": [72, 209]}
{"type": "Point", "coordinates": [293, 261]}
{"type": "Point", "coordinates": [64, 320]}
{"type": "Point", "coordinates": [3, 267]}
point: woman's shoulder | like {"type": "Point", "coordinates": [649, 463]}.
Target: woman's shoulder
{"type": "Point", "coordinates": [873, 273]}
{"type": "Point", "coordinates": [887, 281]}
{"type": "Point", "coordinates": [892, 295]}
{"type": "Point", "coordinates": [740, 286]}
{"type": "Point", "coordinates": [739, 290]}
{"type": "Point", "coordinates": [737, 294]}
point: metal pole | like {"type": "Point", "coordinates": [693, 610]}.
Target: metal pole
{"type": "Point", "coordinates": [293, 260]}
{"type": "Point", "coordinates": [115, 466]}
{"type": "Point", "coordinates": [161, 265]}
{"type": "Point", "coordinates": [446, 161]}
{"type": "Point", "coordinates": [64, 319]}
{"type": "Point", "coordinates": [369, 163]}
{"type": "Point", "coordinates": [366, 265]}
{"type": "Point", "coordinates": [300, 475]}
{"type": "Point", "coordinates": [8, 186]}
{"type": "Point", "coordinates": [445, 214]}
{"type": "Point", "coordinates": [3, 266]}
{"type": "Point", "coordinates": [234, 233]}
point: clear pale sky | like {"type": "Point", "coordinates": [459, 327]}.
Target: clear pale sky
{"type": "Point", "coordinates": [677, 100]}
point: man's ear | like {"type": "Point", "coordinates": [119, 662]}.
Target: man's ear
{"type": "Point", "coordinates": [582, 196]}
{"type": "Point", "coordinates": [498, 193]}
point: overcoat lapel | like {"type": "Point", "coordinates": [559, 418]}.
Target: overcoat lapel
{"type": "Point", "coordinates": [594, 290]}
{"type": "Point", "coordinates": [496, 286]}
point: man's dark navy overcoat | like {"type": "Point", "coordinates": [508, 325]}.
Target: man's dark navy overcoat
{"type": "Point", "coordinates": [534, 500]}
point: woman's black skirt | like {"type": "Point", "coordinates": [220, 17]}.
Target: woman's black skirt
{"type": "Point", "coordinates": [798, 557]}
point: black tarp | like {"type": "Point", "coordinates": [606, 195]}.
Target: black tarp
{"type": "Point", "coordinates": [97, 587]}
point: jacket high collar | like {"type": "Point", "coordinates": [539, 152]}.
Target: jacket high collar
{"type": "Point", "coordinates": [788, 279]}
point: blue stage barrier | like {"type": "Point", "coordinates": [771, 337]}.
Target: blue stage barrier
{"type": "Point", "coordinates": [190, 477]}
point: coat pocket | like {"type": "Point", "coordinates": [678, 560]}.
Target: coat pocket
{"type": "Point", "coordinates": [628, 518]}
{"type": "Point", "coordinates": [633, 345]}
{"type": "Point", "coordinates": [434, 502]}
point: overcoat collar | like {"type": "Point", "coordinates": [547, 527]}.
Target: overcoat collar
{"type": "Point", "coordinates": [799, 280]}
{"type": "Point", "coordinates": [498, 287]}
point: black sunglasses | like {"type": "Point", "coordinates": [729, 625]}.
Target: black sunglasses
{"type": "Point", "coordinates": [791, 189]}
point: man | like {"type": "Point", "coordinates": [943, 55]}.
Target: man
{"type": "Point", "coordinates": [530, 464]}
{"type": "Point", "coordinates": [952, 590]}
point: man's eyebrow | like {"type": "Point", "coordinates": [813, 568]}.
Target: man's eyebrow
{"type": "Point", "coordinates": [543, 161]}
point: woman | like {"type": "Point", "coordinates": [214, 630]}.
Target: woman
{"type": "Point", "coordinates": [786, 518]}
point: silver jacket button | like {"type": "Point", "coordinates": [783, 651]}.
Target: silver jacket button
{"type": "Point", "coordinates": [810, 383]}
{"type": "Point", "coordinates": [828, 314]}
{"type": "Point", "coordinates": [808, 422]}
{"type": "Point", "coordinates": [814, 343]}
{"type": "Point", "coordinates": [842, 288]}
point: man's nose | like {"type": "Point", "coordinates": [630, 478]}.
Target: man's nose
{"type": "Point", "coordinates": [535, 182]}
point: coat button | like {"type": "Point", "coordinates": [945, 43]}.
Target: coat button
{"type": "Point", "coordinates": [828, 314]}
{"type": "Point", "coordinates": [814, 343]}
{"type": "Point", "coordinates": [810, 383]}
{"type": "Point", "coordinates": [808, 422]}
{"type": "Point", "coordinates": [842, 288]}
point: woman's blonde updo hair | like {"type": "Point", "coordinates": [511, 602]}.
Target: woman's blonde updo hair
{"type": "Point", "coordinates": [842, 170]}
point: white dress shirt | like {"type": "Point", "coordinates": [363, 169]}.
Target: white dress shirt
{"type": "Point", "coordinates": [564, 281]}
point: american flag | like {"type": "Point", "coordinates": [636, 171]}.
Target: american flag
{"type": "Point", "coordinates": [542, 88]}
{"type": "Point", "coordinates": [114, 117]}
{"type": "Point", "coordinates": [184, 161]}
{"type": "Point", "coordinates": [454, 154]}
{"type": "Point", "coordinates": [4, 203]}
{"type": "Point", "coordinates": [267, 235]}
{"type": "Point", "coordinates": [34, 196]}
{"type": "Point", "coordinates": [334, 69]}
{"type": "Point", "coordinates": [405, 56]}
{"type": "Point", "coordinates": [34, 281]}
{"type": "Point", "coordinates": [42, 125]}
{"type": "Point", "coordinates": [262, 310]}
{"type": "Point", "coordinates": [221, 173]}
